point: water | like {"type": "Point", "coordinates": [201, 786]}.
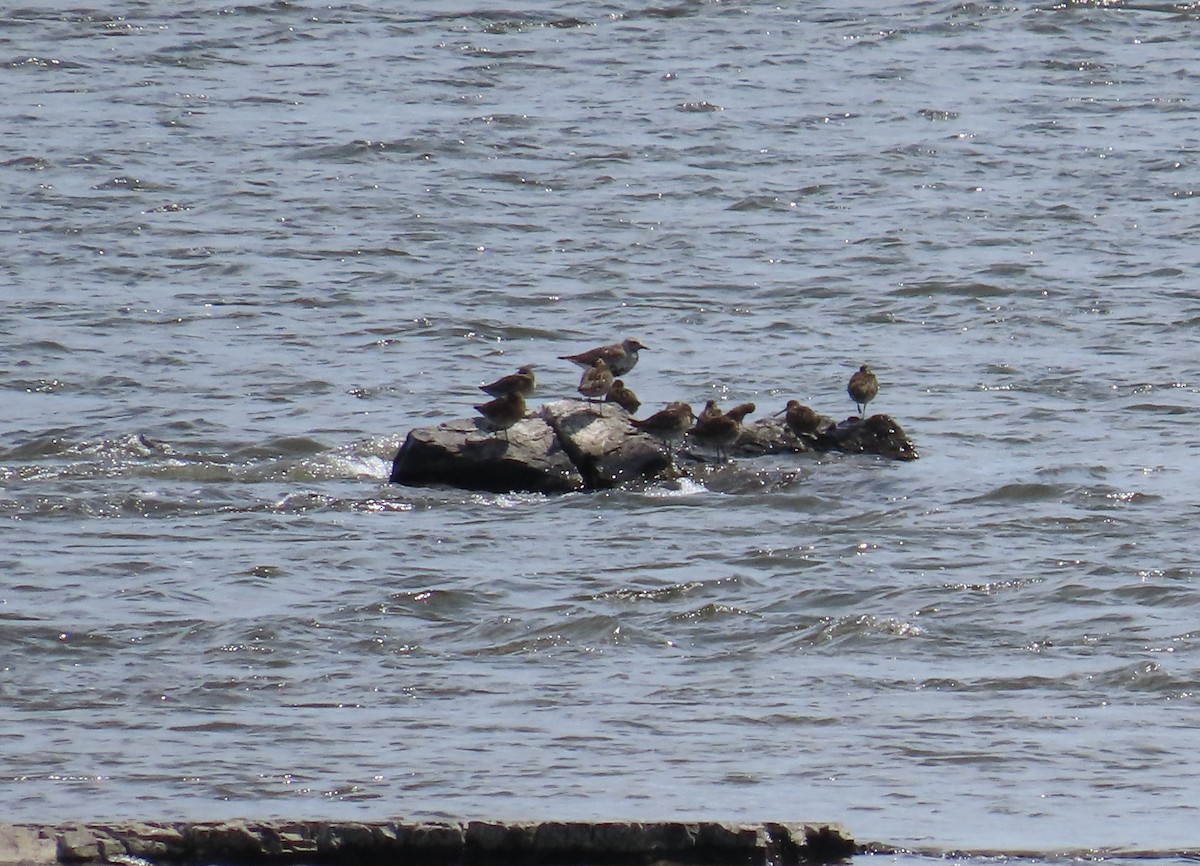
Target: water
{"type": "Point", "coordinates": [247, 248]}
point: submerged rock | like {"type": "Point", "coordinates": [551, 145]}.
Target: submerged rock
{"type": "Point", "coordinates": [573, 445]}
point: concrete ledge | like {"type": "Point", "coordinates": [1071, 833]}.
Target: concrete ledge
{"type": "Point", "coordinates": [442, 843]}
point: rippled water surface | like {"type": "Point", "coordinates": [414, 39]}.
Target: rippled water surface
{"type": "Point", "coordinates": [247, 248]}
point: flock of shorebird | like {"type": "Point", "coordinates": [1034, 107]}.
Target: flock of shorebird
{"type": "Point", "coordinates": [603, 365]}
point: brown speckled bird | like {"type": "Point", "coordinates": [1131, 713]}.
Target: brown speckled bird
{"type": "Point", "coordinates": [863, 387]}
{"type": "Point", "coordinates": [667, 424]}
{"type": "Point", "coordinates": [503, 412]}
{"type": "Point", "coordinates": [620, 357]}
{"type": "Point", "coordinates": [596, 381]}
{"type": "Point", "coordinates": [740, 411]}
{"type": "Point", "coordinates": [722, 430]}
{"type": "Point", "coordinates": [620, 394]}
{"type": "Point", "coordinates": [802, 420]}
{"type": "Point", "coordinates": [522, 382]}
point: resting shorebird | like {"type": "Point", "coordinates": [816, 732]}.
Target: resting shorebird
{"type": "Point", "coordinates": [667, 424]}
{"type": "Point", "coordinates": [863, 387]}
{"type": "Point", "coordinates": [596, 381]}
{"type": "Point", "coordinates": [503, 412]}
{"type": "Point", "coordinates": [623, 397]}
{"type": "Point", "coordinates": [620, 357]}
{"type": "Point", "coordinates": [740, 411]}
{"type": "Point", "coordinates": [802, 420]}
{"type": "Point", "coordinates": [722, 429]}
{"type": "Point", "coordinates": [520, 382]}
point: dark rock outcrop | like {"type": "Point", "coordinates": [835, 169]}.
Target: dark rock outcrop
{"type": "Point", "coordinates": [878, 434]}
{"type": "Point", "coordinates": [568, 445]}
{"type": "Point", "coordinates": [573, 445]}
{"type": "Point", "coordinates": [464, 453]}
{"type": "Point", "coordinates": [460, 843]}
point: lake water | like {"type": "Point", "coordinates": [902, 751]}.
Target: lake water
{"type": "Point", "coordinates": [248, 248]}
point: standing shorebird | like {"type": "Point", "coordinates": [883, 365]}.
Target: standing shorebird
{"type": "Point", "coordinates": [520, 382]}
{"type": "Point", "coordinates": [667, 424]}
{"type": "Point", "coordinates": [620, 357]}
{"type": "Point", "coordinates": [597, 381]}
{"type": "Point", "coordinates": [503, 412]}
{"type": "Point", "coordinates": [863, 387]}
{"type": "Point", "coordinates": [802, 420]}
{"type": "Point", "coordinates": [721, 430]}
{"type": "Point", "coordinates": [623, 397]}
{"type": "Point", "coordinates": [710, 410]}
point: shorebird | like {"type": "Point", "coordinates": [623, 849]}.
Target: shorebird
{"type": "Point", "coordinates": [740, 411]}
{"type": "Point", "coordinates": [520, 382]}
{"type": "Point", "coordinates": [722, 429]}
{"type": "Point", "coordinates": [623, 397]}
{"type": "Point", "coordinates": [620, 357]}
{"type": "Point", "coordinates": [503, 412]}
{"type": "Point", "coordinates": [863, 387]}
{"type": "Point", "coordinates": [667, 424]}
{"type": "Point", "coordinates": [802, 420]}
{"type": "Point", "coordinates": [710, 410]}
{"type": "Point", "coordinates": [597, 381]}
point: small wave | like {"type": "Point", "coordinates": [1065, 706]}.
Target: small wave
{"type": "Point", "coordinates": [51, 63]}
{"type": "Point", "coordinates": [674, 489]}
{"type": "Point", "coordinates": [765, 201]}
{"type": "Point", "coordinates": [850, 630]}
{"type": "Point", "coordinates": [711, 612]}
{"type": "Point", "coordinates": [1024, 492]}
{"type": "Point", "coordinates": [124, 183]}
{"type": "Point", "coordinates": [585, 634]}
{"type": "Point", "coordinates": [1144, 677]}
{"type": "Point", "coordinates": [671, 593]}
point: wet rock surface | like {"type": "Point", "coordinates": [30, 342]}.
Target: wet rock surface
{"type": "Point", "coordinates": [444, 842]}
{"type": "Point", "coordinates": [574, 445]}
{"type": "Point", "coordinates": [568, 445]}
{"type": "Point", "coordinates": [464, 453]}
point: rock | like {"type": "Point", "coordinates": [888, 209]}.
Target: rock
{"type": "Point", "coordinates": [572, 445]}
{"type": "Point", "coordinates": [879, 434]}
{"type": "Point", "coordinates": [150, 841]}
{"type": "Point", "coordinates": [230, 841]}
{"type": "Point", "coordinates": [465, 454]}
{"type": "Point", "coordinates": [25, 845]}
{"type": "Point", "coordinates": [79, 846]}
{"type": "Point", "coordinates": [770, 436]}
{"type": "Point", "coordinates": [295, 843]}
{"type": "Point", "coordinates": [436, 839]}
{"type": "Point", "coordinates": [345, 840]}
{"type": "Point", "coordinates": [562, 838]}
{"type": "Point", "coordinates": [487, 839]}
{"type": "Point", "coordinates": [475, 843]}
{"type": "Point", "coordinates": [620, 838]}
{"type": "Point", "coordinates": [606, 449]}
{"type": "Point", "coordinates": [826, 844]}
{"type": "Point", "coordinates": [569, 445]}
{"type": "Point", "coordinates": [733, 843]}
